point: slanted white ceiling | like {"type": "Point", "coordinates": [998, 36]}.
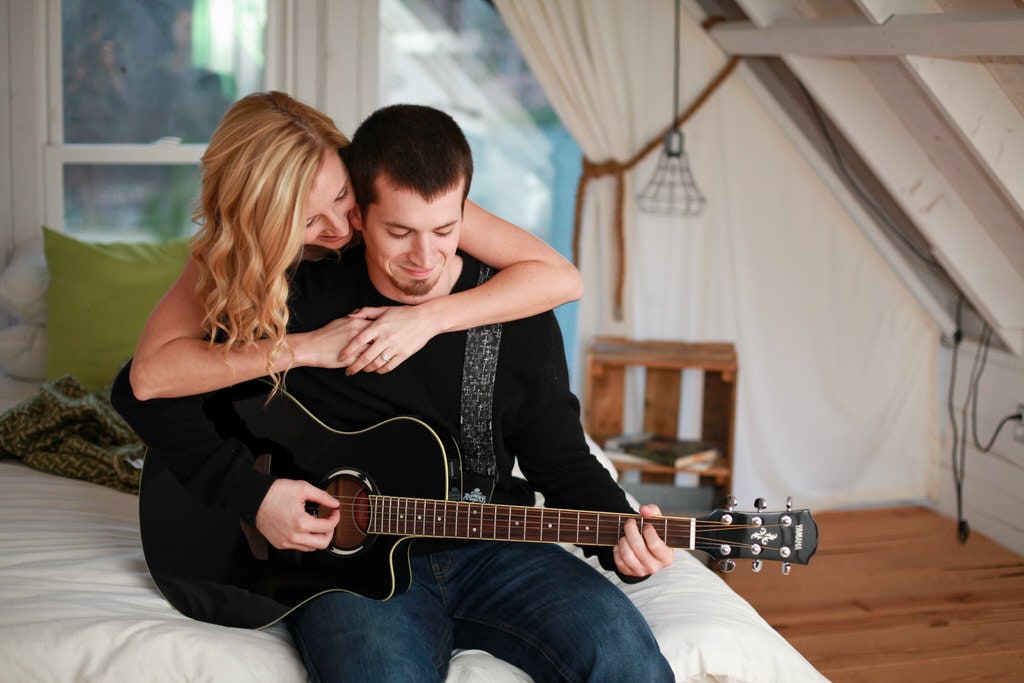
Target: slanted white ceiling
{"type": "Point", "coordinates": [920, 106]}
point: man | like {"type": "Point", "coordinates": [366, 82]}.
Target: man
{"type": "Point", "coordinates": [503, 392]}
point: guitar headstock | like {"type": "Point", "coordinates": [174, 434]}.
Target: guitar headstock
{"type": "Point", "coordinates": [790, 536]}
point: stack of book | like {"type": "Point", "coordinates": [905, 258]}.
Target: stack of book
{"type": "Point", "coordinates": [643, 448]}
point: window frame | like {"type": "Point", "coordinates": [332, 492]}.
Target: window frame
{"type": "Point", "coordinates": [309, 44]}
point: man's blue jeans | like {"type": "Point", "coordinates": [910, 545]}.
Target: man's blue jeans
{"type": "Point", "coordinates": [535, 606]}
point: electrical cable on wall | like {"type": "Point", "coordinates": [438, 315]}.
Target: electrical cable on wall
{"type": "Point", "coordinates": [963, 528]}
{"type": "Point", "coordinates": [959, 455]}
{"type": "Point", "coordinates": [860, 192]}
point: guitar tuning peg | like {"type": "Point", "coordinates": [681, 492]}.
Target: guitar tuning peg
{"type": "Point", "coordinates": [726, 566]}
{"type": "Point", "coordinates": [730, 503]}
{"type": "Point", "coordinates": [789, 503]}
{"type": "Point", "coordinates": [760, 504]}
{"type": "Point", "coordinates": [786, 567]}
{"type": "Point", "coordinates": [756, 566]}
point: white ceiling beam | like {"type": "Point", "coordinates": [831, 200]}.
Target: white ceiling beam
{"type": "Point", "coordinates": [980, 111]}
{"type": "Point", "coordinates": [973, 103]}
{"type": "Point", "coordinates": [964, 248]}
{"type": "Point", "coordinates": [953, 34]}
{"type": "Point", "coordinates": [827, 172]}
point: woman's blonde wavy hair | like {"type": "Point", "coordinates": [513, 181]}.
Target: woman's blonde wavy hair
{"type": "Point", "coordinates": [258, 171]}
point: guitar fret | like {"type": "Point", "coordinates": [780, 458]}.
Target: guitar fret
{"type": "Point", "coordinates": [499, 520]}
{"type": "Point", "coordinates": [586, 528]}
{"type": "Point", "coordinates": [424, 517]}
{"type": "Point", "coordinates": [460, 508]}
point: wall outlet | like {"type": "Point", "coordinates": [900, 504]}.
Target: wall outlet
{"type": "Point", "coordinates": [1018, 429]}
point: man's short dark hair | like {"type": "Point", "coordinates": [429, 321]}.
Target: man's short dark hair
{"type": "Point", "coordinates": [412, 147]}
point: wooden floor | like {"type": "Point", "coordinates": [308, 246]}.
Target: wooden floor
{"type": "Point", "coordinates": [892, 595]}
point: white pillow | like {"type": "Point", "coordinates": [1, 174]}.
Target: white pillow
{"type": "Point", "coordinates": [23, 284]}
{"type": "Point", "coordinates": [23, 351]}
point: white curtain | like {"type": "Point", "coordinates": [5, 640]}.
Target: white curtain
{"type": "Point", "coordinates": [838, 364]}
{"type": "Point", "coordinates": [595, 61]}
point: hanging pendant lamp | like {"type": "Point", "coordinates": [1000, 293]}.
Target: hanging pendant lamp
{"type": "Point", "coordinates": [672, 189]}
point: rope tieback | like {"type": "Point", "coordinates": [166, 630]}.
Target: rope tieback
{"type": "Point", "coordinates": [598, 169]}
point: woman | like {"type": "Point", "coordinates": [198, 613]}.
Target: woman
{"type": "Point", "coordinates": [274, 189]}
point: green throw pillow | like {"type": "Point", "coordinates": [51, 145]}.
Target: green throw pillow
{"type": "Point", "coordinates": [98, 300]}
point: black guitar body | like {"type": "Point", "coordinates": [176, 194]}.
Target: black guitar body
{"type": "Point", "coordinates": [206, 563]}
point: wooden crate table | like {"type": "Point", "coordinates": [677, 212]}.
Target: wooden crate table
{"type": "Point", "coordinates": [664, 362]}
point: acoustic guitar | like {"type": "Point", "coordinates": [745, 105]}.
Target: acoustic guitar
{"type": "Point", "coordinates": [214, 568]}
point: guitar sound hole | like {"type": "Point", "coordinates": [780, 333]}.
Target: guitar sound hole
{"type": "Point", "coordinates": [352, 491]}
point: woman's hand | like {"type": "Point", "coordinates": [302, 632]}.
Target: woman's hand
{"type": "Point", "coordinates": [325, 347]}
{"type": "Point", "coordinates": [392, 334]}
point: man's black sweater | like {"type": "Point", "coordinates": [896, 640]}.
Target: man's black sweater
{"type": "Point", "coordinates": [535, 416]}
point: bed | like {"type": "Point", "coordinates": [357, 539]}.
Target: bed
{"type": "Point", "coordinates": [77, 602]}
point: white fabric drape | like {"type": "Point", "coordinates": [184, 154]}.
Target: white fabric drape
{"type": "Point", "coordinates": [594, 59]}
{"type": "Point", "coordinates": [838, 364]}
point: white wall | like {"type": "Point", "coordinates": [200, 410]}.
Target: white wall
{"type": "Point", "coordinates": [993, 481]}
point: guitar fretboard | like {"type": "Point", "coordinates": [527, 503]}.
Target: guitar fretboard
{"type": "Point", "coordinates": [421, 517]}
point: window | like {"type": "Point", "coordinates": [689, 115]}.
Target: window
{"type": "Point", "coordinates": [457, 55]}
{"type": "Point", "coordinates": [143, 84]}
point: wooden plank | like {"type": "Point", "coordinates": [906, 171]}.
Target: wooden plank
{"type": "Point", "coordinates": [991, 667]}
{"type": "Point", "coordinates": [954, 34]}
{"type": "Point", "coordinates": [606, 388]}
{"type": "Point", "coordinates": [661, 401]}
{"type": "Point", "coordinates": [664, 354]}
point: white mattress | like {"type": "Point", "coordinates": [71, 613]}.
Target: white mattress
{"type": "Point", "coordinates": [77, 604]}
